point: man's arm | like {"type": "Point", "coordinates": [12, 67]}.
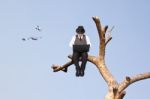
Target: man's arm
{"type": "Point", "coordinates": [72, 41]}
{"type": "Point", "coordinates": [88, 40]}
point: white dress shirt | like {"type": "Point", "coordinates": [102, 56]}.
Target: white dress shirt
{"type": "Point", "coordinates": [74, 37]}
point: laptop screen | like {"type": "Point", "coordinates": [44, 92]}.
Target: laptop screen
{"type": "Point", "coordinates": [81, 48]}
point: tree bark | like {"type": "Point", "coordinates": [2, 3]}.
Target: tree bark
{"type": "Point", "coordinates": [115, 90]}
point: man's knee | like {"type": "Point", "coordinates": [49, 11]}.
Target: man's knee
{"type": "Point", "coordinates": [85, 55]}
{"type": "Point", "coordinates": [75, 57]}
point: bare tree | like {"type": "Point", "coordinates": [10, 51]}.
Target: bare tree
{"type": "Point", "coordinates": [115, 90]}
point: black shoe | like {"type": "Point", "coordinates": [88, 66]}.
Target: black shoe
{"type": "Point", "coordinates": [77, 73]}
{"type": "Point", "coordinates": [82, 73]}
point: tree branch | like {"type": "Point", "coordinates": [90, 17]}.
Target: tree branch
{"type": "Point", "coordinates": [105, 29]}
{"type": "Point", "coordinates": [108, 40]}
{"type": "Point", "coordinates": [109, 36]}
{"type": "Point", "coordinates": [101, 32]}
{"type": "Point", "coordinates": [129, 80]}
{"type": "Point", "coordinates": [91, 58]}
{"type": "Point", "coordinates": [98, 25]}
{"type": "Point", "coordinates": [108, 77]}
{"type": "Point", "coordinates": [57, 68]}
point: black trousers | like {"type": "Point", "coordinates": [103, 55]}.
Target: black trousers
{"type": "Point", "coordinates": [76, 59]}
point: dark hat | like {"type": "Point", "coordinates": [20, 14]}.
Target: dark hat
{"type": "Point", "coordinates": [80, 30]}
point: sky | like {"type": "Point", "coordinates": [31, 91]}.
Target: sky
{"type": "Point", "coordinates": [25, 66]}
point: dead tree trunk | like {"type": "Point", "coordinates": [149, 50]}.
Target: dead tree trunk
{"type": "Point", "coordinates": [115, 90]}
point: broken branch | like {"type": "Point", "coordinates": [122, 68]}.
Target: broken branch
{"type": "Point", "coordinates": [57, 68]}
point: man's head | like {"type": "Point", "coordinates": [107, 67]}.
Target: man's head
{"type": "Point", "coordinates": [80, 30]}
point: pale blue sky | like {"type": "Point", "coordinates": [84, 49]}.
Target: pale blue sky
{"type": "Point", "coordinates": [25, 66]}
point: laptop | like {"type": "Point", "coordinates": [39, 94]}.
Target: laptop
{"type": "Point", "coordinates": [81, 48]}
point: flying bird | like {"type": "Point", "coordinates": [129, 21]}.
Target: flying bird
{"type": "Point", "coordinates": [33, 38]}
{"type": "Point", "coordinates": [38, 28]}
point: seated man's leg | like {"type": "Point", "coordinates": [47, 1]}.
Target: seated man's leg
{"type": "Point", "coordinates": [84, 61]}
{"type": "Point", "coordinates": [75, 59]}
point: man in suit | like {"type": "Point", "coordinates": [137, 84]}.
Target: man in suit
{"type": "Point", "coordinates": [80, 39]}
